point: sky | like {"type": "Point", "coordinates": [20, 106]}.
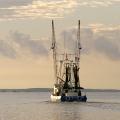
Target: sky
{"type": "Point", "coordinates": [25, 41]}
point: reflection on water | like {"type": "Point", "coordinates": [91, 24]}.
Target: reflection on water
{"type": "Point", "coordinates": [36, 106]}
{"type": "Point", "coordinates": [66, 112]}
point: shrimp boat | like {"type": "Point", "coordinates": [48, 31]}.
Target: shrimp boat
{"type": "Point", "coordinates": [67, 86]}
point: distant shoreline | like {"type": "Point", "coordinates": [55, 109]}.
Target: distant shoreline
{"type": "Point", "coordinates": [50, 89]}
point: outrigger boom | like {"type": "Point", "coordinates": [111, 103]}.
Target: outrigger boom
{"type": "Point", "coordinates": [66, 73]}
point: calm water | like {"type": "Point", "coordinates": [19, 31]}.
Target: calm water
{"type": "Point", "coordinates": [37, 106]}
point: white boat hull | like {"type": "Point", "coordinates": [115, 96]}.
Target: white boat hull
{"type": "Point", "coordinates": [55, 98]}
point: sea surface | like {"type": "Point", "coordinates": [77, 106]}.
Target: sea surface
{"type": "Point", "coordinates": [37, 106]}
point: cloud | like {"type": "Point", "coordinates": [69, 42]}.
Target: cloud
{"type": "Point", "coordinates": [97, 3]}
{"type": "Point", "coordinates": [9, 3]}
{"type": "Point", "coordinates": [98, 39]}
{"type": "Point", "coordinates": [24, 41]}
{"type": "Point", "coordinates": [38, 8]}
{"type": "Point", "coordinates": [19, 45]}
{"type": "Point", "coordinates": [95, 38]}
{"type": "Point", "coordinates": [108, 48]}
{"type": "Point", "coordinates": [7, 50]}
{"type": "Point", "coordinates": [15, 9]}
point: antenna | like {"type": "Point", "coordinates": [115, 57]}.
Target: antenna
{"type": "Point", "coordinates": [54, 52]}
{"type": "Point", "coordinates": [64, 42]}
{"type": "Point", "coordinates": [65, 51]}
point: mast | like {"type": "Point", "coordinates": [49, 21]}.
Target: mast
{"type": "Point", "coordinates": [77, 58]}
{"type": "Point", "coordinates": [78, 42]}
{"type": "Point", "coordinates": [54, 53]}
